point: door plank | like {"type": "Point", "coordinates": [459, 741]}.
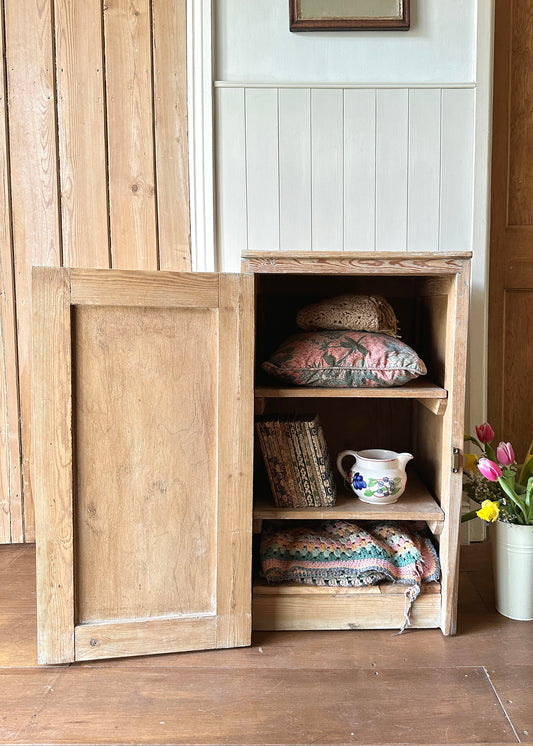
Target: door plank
{"type": "Point", "coordinates": [11, 528]}
{"type": "Point", "coordinates": [52, 396]}
{"type": "Point", "coordinates": [34, 198]}
{"type": "Point", "coordinates": [510, 361]}
{"type": "Point", "coordinates": [146, 637]}
{"type": "Point", "coordinates": [170, 129]}
{"type": "Point", "coordinates": [81, 133]}
{"type": "Point", "coordinates": [130, 134]}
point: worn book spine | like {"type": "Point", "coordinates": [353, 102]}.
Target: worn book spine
{"type": "Point", "coordinates": [293, 486]}
{"type": "Point", "coordinates": [274, 462]}
{"type": "Point", "coordinates": [306, 493]}
{"type": "Point", "coordinates": [320, 463]}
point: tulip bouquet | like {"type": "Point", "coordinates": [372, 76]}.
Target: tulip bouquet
{"type": "Point", "coordinates": [502, 488]}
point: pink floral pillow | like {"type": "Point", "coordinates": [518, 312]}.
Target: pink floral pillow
{"type": "Point", "coordinates": [344, 359]}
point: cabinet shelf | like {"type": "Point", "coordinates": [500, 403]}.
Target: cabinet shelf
{"type": "Point", "coordinates": [429, 394]}
{"type": "Point", "coordinates": [416, 504]}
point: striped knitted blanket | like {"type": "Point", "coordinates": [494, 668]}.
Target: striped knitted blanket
{"type": "Point", "coordinates": [342, 553]}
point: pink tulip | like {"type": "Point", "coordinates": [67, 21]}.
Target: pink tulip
{"type": "Point", "coordinates": [485, 433]}
{"type": "Point", "coordinates": [505, 454]}
{"type": "Point", "coordinates": [489, 469]}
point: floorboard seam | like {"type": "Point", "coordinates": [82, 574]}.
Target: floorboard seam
{"type": "Point", "coordinates": [43, 703]}
{"type": "Point", "coordinates": [487, 674]}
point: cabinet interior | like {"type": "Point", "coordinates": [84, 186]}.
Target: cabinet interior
{"type": "Point", "coordinates": [398, 422]}
{"type": "Point", "coordinates": [408, 418]}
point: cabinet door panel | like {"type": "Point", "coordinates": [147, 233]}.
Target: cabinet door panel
{"type": "Point", "coordinates": [144, 512]}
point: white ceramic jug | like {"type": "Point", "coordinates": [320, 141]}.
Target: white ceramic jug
{"type": "Point", "coordinates": [377, 476]}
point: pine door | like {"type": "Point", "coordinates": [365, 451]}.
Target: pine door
{"type": "Point", "coordinates": [143, 407]}
{"type": "Point", "coordinates": [510, 406]}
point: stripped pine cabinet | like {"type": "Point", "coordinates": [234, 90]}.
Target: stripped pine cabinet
{"type": "Point", "coordinates": [143, 401]}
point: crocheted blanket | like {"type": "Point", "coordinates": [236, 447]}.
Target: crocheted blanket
{"type": "Point", "coordinates": [341, 553]}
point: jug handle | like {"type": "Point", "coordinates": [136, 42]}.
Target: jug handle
{"type": "Point", "coordinates": [340, 459]}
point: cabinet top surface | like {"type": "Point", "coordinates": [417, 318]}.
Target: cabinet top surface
{"type": "Point", "coordinates": [324, 262]}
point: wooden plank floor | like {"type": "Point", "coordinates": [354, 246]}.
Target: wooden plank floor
{"type": "Point", "coordinates": [325, 688]}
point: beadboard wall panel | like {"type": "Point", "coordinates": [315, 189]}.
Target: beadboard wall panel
{"type": "Point", "coordinates": [344, 168]}
{"type": "Point", "coordinates": [93, 173]}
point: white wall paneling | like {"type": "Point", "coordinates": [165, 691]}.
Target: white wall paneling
{"type": "Point", "coordinates": [360, 169]}
{"type": "Point", "coordinates": [385, 168]}
{"type": "Point", "coordinates": [392, 126]}
{"type": "Point", "coordinates": [262, 167]}
{"type": "Point", "coordinates": [232, 206]}
{"type": "Point", "coordinates": [327, 169]}
{"type": "Point", "coordinates": [457, 151]}
{"type": "Point", "coordinates": [424, 168]}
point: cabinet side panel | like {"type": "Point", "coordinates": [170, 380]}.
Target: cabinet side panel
{"type": "Point", "coordinates": [145, 461]}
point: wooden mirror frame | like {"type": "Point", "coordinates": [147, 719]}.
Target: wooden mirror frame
{"type": "Point", "coordinates": [350, 24]}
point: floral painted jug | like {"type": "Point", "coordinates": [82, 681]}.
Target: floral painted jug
{"type": "Point", "coordinates": [377, 476]}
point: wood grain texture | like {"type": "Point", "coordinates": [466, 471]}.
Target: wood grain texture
{"type": "Point", "coordinates": [132, 288]}
{"type": "Point", "coordinates": [52, 423]}
{"type": "Point", "coordinates": [132, 204]}
{"type": "Point", "coordinates": [357, 610]}
{"type": "Point", "coordinates": [75, 105]}
{"type": "Point", "coordinates": [353, 263]}
{"type": "Point", "coordinates": [520, 189]}
{"type": "Point", "coordinates": [235, 461]}
{"type": "Point", "coordinates": [33, 171]}
{"type": "Point", "coordinates": [81, 133]}
{"type": "Point", "coordinates": [11, 526]}
{"type": "Point", "coordinates": [145, 488]}
{"type": "Point", "coordinates": [144, 637]}
{"type": "Point", "coordinates": [170, 132]}
{"type": "Point", "coordinates": [414, 505]}
{"type": "Point", "coordinates": [200, 705]}
{"type": "Point", "coordinates": [511, 239]}
{"type": "Point", "coordinates": [453, 436]}
{"type": "Point", "coordinates": [417, 389]}
{"type": "Point", "coordinates": [160, 516]}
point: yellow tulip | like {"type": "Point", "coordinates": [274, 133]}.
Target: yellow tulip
{"type": "Point", "coordinates": [489, 511]}
{"type": "Point", "coordinates": [470, 462]}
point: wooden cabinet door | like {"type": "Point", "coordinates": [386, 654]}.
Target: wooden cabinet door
{"type": "Point", "coordinates": [143, 405]}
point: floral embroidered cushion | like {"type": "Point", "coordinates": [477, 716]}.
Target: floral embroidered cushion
{"type": "Point", "coordinates": [344, 359]}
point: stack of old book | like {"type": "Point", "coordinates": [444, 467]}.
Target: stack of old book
{"type": "Point", "coordinates": [297, 460]}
